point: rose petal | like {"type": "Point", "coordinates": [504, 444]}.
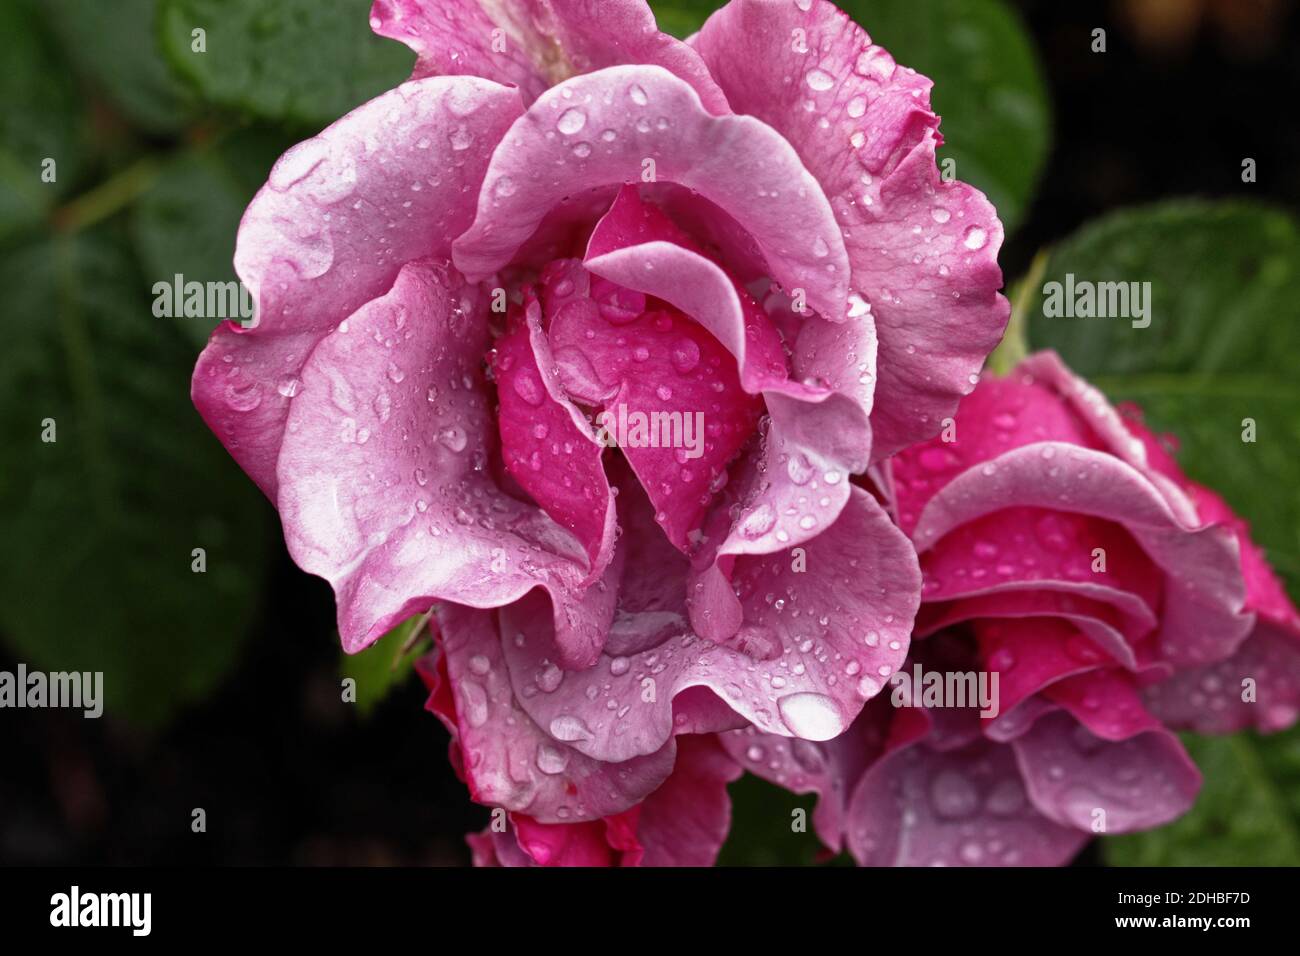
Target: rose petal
{"type": "Point", "coordinates": [547, 443]}
{"type": "Point", "coordinates": [1087, 401]}
{"type": "Point", "coordinates": [1106, 702]}
{"type": "Point", "coordinates": [1071, 774]}
{"type": "Point", "coordinates": [804, 674]}
{"type": "Point", "coordinates": [563, 144]}
{"type": "Point", "coordinates": [1034, 548]}
{"type": "Point", "coordinates": [685, 822]}
{"type": "Point", "coordinates": [819, 434]}
{"type": "Point", "coordinates": [382, 486]}
{"type": "Point", "coordinates": [830, 769]}
{"type": "Point", "coordinates": [1258, 686]}
{"type": "Point", "coordinates": [920, 807]}
{"type": "Point", "coordinates": [535, 44]}
{"type": "Point", "coordinates": [341, 214]}
{"type": "Point", "coordinates": [647, 366]}
{"type": "Point", "coordinates": [1000, 415]}
{"type": "Point", "coordinates": [1101, 623]}
{"type": "Point", "coordinates": [1030, 655]}
{"type": "Point", "coordinates": [1202, 617]}
{"type": "Point", "coordinates": [507, 760]}
{"type": "Point", "coordinates": [923, 250]}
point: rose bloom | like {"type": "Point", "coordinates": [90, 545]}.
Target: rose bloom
{"type": "Point", "coordinates": [567, 217]}
{"type": "Point", "coordinates": [1064, 552]}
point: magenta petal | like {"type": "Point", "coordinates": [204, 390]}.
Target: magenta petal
{"type": "Point", "coordinates": [923, 251]}
{"type": "Point", "coordinates": [1001, 414]}
{"type": "Point", "coordinates": [1029, 655]}
{"type": "Point", "coordinates": [1092, 407]}
{"type": "Point", "coordinates": [547, 443]}
{"type": "Point", "coordinates": [917, 806]}
{"type": "Point", "coordinates": [644, 367]}
{"type": "Point", "coordinates": [535, 44]}
{"type": "Point", "coordinates": [1071, 774]}
{"type": "Point", "coordinates": [1106, 701]}
{"type": "Point", "coordinates": [382, 490]}
{"type": "Point", "coordinates": [806, 675]}
{"type": "Point", "coordinates": [1264, 592]}
{"type": "Point", "coordinates": [819, 433]}
{"type": "Point", "coordinates": [603, 128]}
{"type": "Point", "coordinates": [685, 821]}
{"type": "Point", "coordinates": [340, 216]}
{"type": "Point", "coordinates": [1101, 623]}
{"type": "Point", "coordinates": [1202, 617]}
{"type": "Point", "coordinates": [1038, 549]}
{"type": "Point", "coordinates": [507, 760]}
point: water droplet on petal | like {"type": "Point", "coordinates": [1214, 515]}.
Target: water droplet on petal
{"type": "Point", "coordinates": [569, 728]}
{"type": "Point", "coordinates": [811, 716]}
{"type": "Point", "coordinates": [976, 237]}
{"type": "Point", "coordinates": [819, 80]}
{"type": "Point", "coordinates": [571, 121]}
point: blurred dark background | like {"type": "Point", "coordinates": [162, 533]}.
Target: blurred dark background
{"type": "Point", "coordinates": [289, 774]}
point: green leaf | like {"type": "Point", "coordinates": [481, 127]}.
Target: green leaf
{"type": "Point", "coordinates": [102, 523]}
{"type": "Point", "coordinates": [988, 87]}
{"type": "Point", "coordinates": [187, 222]}
{"type": "Point", "coordinates": [1220, 347]}
{"type": "Point", "coordinates": [1248, 814]}
{"type": "Point", "coordinates": [681, 18]}
{"type": "Point", "coordinates": [762, 831]}
{"type": "Point", "coordinates": [304, 62]}
{"type": "Point", "coordinates": [41, 119]}
{"type": "Point", "coordinates": [114, 47]}
{"type": "Point", "coordinates": [386, 663]}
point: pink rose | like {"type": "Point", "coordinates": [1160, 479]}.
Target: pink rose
{"type": "Point", "coordinates": [733, 257]}
{"type": "Point", "coordinates": [1065, 554]}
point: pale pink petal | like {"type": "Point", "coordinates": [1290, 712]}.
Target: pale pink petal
{"type": "Point", "coordinates": [392, 181]}
{"type": "Point", "coordinates": [917, 806]}
{"type": "Point", "coordinates": [607, 127]}
{"type": "Point", "coordinates": [683, 823]}
{"type": "Point", "coordinates": [383, 490]}
{"type": "Point", "coordinates": [506, 760]}
{"type": "Point", "coordinates": [923, 250]}
{"type": "Point", "coordinates": [821, 635]}
{"type": "Point", "coordinates": [1080, 780]}
{"type": "Point", "coordinates": [537, 43]}
{"type": "Point", "coordinates": [1117, 435]}
{"type": "Point", "coordinates": [830, 769]}
{"type": "Point", "coordinates": [1258, 686]}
